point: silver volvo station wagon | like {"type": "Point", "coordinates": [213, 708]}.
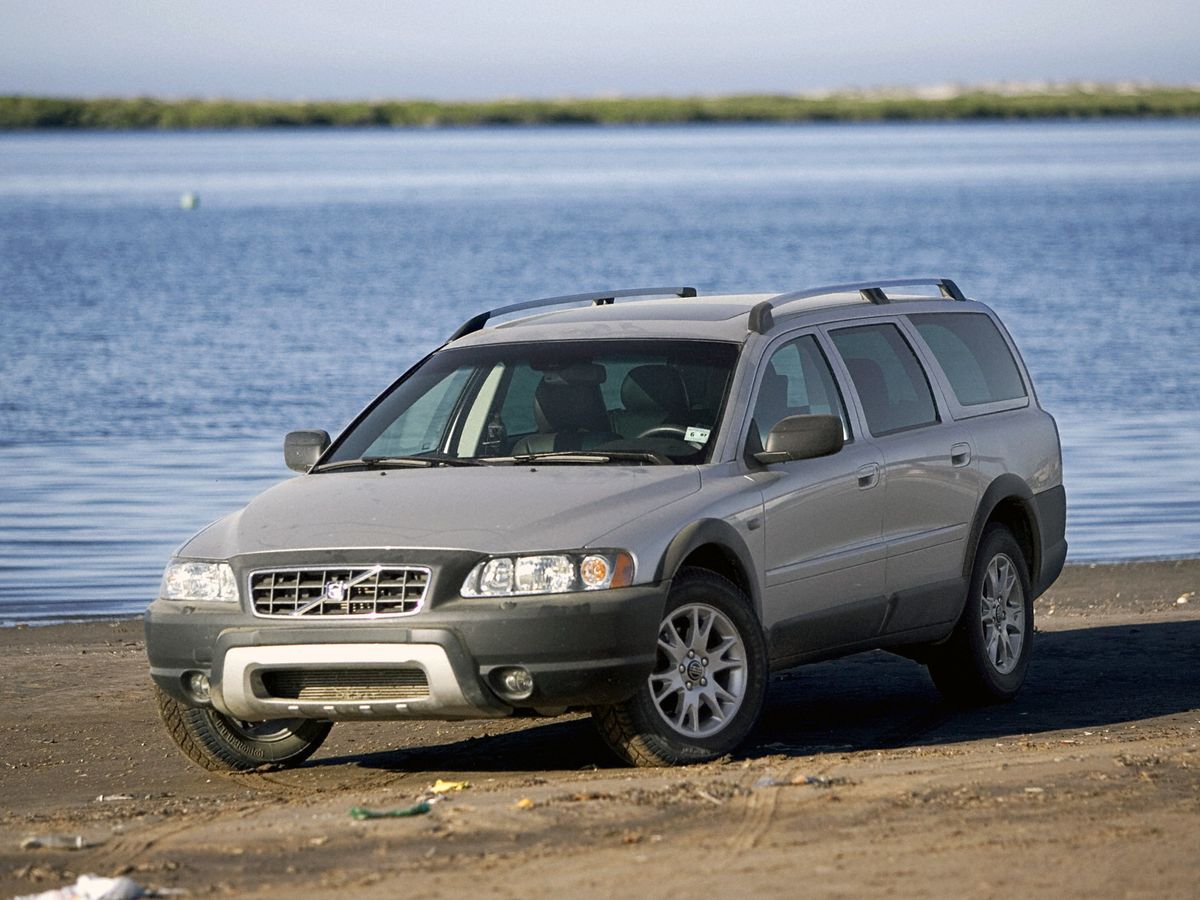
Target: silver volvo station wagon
{"type": "Point", "coordinates": [641, 508]}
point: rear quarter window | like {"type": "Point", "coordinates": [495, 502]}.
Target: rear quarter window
{"type": "Point", "coordinates": [974, 356]}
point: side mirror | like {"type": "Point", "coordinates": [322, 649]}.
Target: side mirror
{"type": "Point", "coordinates": [802, 437]}
{"type": "Point", "coordinates": [302, 449]}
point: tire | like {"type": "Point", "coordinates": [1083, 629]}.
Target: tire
{"type": "Point", "coordinates": [985, 659]}
{"type": "Point", "coordinates": [219, 743]}
{"type": "Point", "coordinates": [709, 678]}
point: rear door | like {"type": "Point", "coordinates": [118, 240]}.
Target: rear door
{"type": "Point", "coordinates": [930, 487]}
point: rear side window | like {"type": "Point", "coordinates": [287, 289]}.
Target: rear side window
{"type": "Point", "coordinates": [974, 356]}
{"type": "Point", "coordinates": [889, 381]}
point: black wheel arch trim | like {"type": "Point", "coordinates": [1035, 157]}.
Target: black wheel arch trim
{"type": "Point", "coordinates": [1007, 487]}
{"type": "Point", "coordinates": [722, 535]}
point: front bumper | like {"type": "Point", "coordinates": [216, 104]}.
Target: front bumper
{"type": "Point", "coordinates": [581, 649]}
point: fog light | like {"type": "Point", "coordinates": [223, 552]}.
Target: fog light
{"type": "Point", "coordinates": [197, 685]}
{"type": "Point", "coordinates": [516, 683]}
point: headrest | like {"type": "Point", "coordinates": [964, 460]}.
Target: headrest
{"type": "Point", "coordinates": [560, 406]}
{"type": "Point", "coordinates": [774, 389]}
{"type": "Point", "coordinates": [655, 388]}
{"type": "Point", "coordinates": [868, 377]}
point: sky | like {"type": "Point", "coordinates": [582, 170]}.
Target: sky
{"type": "Point", "coordinates": [453, 49]}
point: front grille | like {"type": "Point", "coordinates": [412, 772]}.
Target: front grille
{"type": "Point", "coordinates": [344, 685]}
{"type": "Point", "coordinates": [345, 591]}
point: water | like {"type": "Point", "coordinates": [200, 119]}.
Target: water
{"type": "Point", "coordinates": [151, 358]}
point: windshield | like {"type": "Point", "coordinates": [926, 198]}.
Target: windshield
{"type": "Point", "coordinates": [574, 401]}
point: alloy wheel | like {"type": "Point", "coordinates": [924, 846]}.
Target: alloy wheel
{"type": "Point", "coordinates": [1002, 614]}
{"type": "Point", "coordinates": [700, 678]}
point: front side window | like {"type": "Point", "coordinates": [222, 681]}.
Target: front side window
{"type": "Point", "coordinates": [890, 383]}
{"type": "Point", "coordinates": [975, 358]}
{"type": "Point", "coordinates": [796, 381]}
{"type": "Point", "coordinates": [638, 401]}
{"type": "Point", "coordinates": [421, 429]}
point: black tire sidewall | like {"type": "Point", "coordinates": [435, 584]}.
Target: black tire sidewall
{"type": "Point", "coordinates": [245, 752]}
{"type": "Point", "coordinates": [208, 738]}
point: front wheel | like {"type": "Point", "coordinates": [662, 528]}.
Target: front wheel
{"type": "Point", "coordinates": [709, 679]}
{"type": "Point", "coordinates": [985, 659]}
{"type": "Point", "coordinates": [220, 743]}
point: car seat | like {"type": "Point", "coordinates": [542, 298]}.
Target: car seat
{"type": "Point", "coordinates": [652, 395]}
{"type": "Point", "coordinates": [569, 415]}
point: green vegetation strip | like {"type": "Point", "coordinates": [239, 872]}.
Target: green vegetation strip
{"type": "Point", "coordinates": [21, 112]}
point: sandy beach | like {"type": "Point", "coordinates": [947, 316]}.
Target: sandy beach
{"type": "Point", "coordinates": [860, 781]}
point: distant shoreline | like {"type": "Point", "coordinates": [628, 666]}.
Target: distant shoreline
{"type": "Point", "coordinates": [23, 113]}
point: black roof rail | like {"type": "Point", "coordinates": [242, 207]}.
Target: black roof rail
{"type": "Point", "coordinates": [761, 319]}
{"type": "Point", "coordinates": [598, 298]}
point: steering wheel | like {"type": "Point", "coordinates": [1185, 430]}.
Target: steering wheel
{"type": "Point", "coordinates": [664, 431]}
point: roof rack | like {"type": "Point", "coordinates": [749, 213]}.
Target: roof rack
{"type": "Point", "coordinates": [761, 319]}
{"type": "Point", "coordinates": [598, 298]}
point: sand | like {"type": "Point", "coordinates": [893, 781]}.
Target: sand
{"type": "Point", "coordinates": [1087, 785]}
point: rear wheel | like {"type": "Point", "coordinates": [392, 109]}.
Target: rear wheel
{"type": "Point", "coordinates": [708, 683]}
{"type": "Point", "coordinates": [221, 743]}
{"type": "Point", "coordinates": [985, 658]}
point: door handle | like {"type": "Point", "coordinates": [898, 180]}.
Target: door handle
{"type": "Point", "coordinates": [960, 454]}
{"type": "Point", "coordinates": [868, 476]}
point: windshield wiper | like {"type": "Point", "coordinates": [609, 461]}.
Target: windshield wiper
{"type": "Point", "coordinates": [443, 460]}
{"type": "Point", "coordinates": [398, 462]}
{"type": "Point", "coordinates": [594, 456]}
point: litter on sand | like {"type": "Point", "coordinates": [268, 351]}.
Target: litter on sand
{"type": "Point", "coordinates": [524, 803]}
{"type": "Point", "coordinates": [435, 793]}
{"type": "Point", "coordinates": [445, 787]}
{"type": "Point", "coordinates": [57, 842]}
{"type": "Point", "coordinates": [417, 809]}
{"type": "Point", "coordinates": [92, 887]}
{"type": "Point", "coordinates": [816, 780]}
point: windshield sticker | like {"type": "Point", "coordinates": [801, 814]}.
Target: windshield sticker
{"type": "Point", "coordinates": [697, 435]}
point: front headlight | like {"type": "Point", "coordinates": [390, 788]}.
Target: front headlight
{"type": "Point", "coordinates": [199, 582]}
{"type": "Point", "coordinates": [549, 573]}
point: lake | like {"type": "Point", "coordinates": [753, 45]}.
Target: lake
{"type": "Point", "coordinates": [152, 357]}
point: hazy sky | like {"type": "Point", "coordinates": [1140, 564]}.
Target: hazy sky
{"type": "Point", "coordinates": [448, 49]}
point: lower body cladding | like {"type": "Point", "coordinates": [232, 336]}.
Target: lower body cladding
{"type": "Point", "coordinates": [464, 660]}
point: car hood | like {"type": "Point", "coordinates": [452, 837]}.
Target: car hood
{"type": "Point", "coordinates": [494, 509]}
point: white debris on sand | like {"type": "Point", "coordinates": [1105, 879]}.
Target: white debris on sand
{"type": "Point", "coordinates": [93, 887]}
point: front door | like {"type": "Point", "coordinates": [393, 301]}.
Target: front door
{"type": "Point", "coordinates": [823, 548]}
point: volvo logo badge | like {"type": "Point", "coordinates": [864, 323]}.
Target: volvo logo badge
{"type": "Point", "coordinates": [335, 591]}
